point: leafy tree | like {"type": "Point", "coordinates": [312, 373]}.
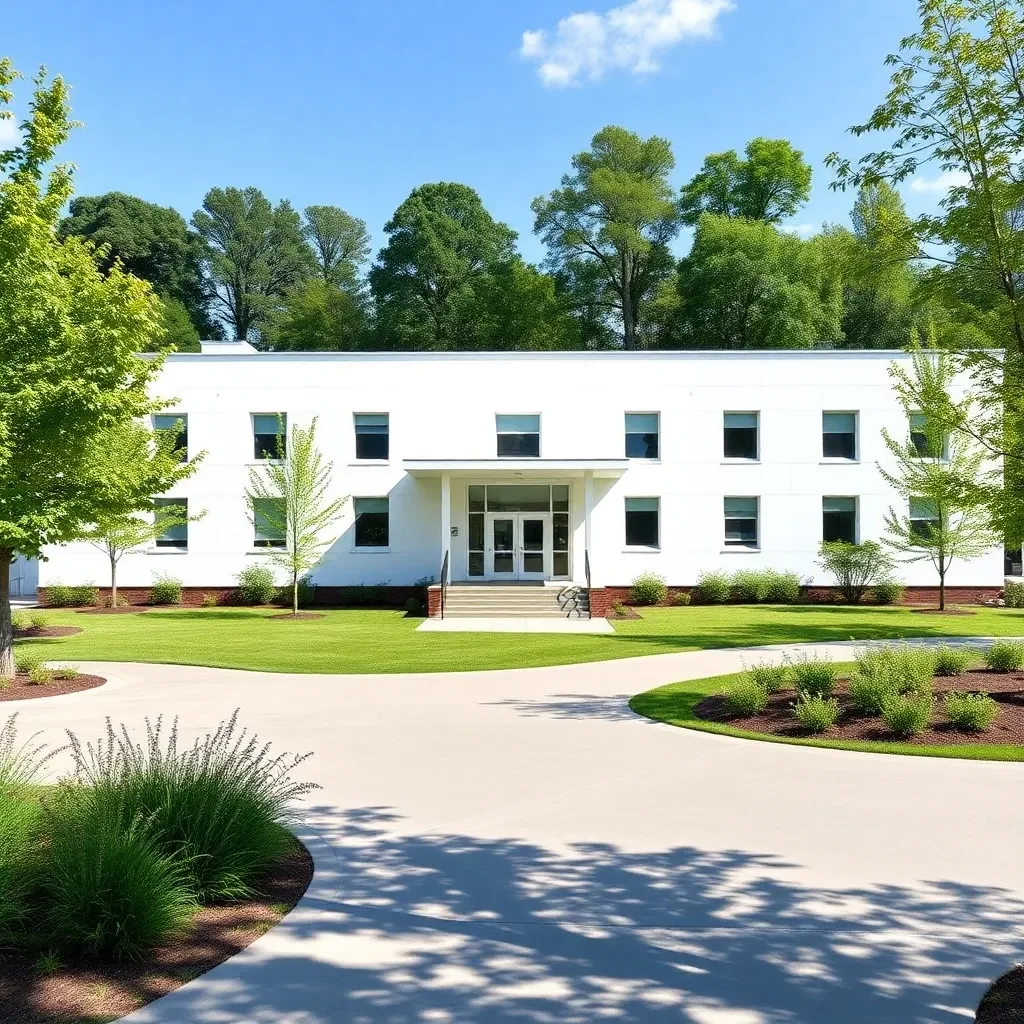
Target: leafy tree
{"type": "Point", "coordinates": [442, 243]}
{"type": "Point", "coordinates": [255, 252]}
{"type": "Point", "coordinates": [856, 567]}
{"type": "Point", "coordinates": [771, 184]}
{"type": "Point", "coordinates": [68, 364]}
{"type": "Point", "coordinates": [616, 213]}
{"type": "Point", "coordinates": [178, 329]}
{"type": "Point", "coordinates": [317, 316]}
{"type": "Point", "coordinates": [151, 242]}
{"type": "Point", "coordinates": [340, 244]}
{"type": "Point", "coordinates": [292, 492]}
{"type": "Point", "coordinates": [945, 477]}
{"type": "Point", "coordinates": [747, 285]}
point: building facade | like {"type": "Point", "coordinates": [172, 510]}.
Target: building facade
{"type": "Point", "coordinates": [535, 466]}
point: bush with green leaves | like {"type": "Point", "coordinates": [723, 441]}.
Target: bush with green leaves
{"type": "Point", "coordinates": [681, 598]}
{"type": "Point", "coordinates": [25, 661]}
{"type": "Point", "coordinates": [855, 567]}
{"type": "Point", "coordinates": [907, 715]}
{"type": "Point", "coordinates": [210, 601]}
{"type": "Point", "coordinates": [38, 620]}
{"type": "Point", "coordinates": [414, 607]}
{"type": "Point", "coordinates": [868, 693]}
{"type": "Point", "coordinates": [814, 676]}
{"type": "Point", "coordinates": [972, 712]}
{"type": "Point", "coordinates": [1005, 656]}
{"type": "Point", "coordinates": [20, 621]}
{"type": "Point", "coordinates": [256, 585]}
{"type": "Point", "coordinates": [781, 587]}
{"type": "Point", "coordinates": [166, 590]}
{"type": "Point", "coordinates": [905, 669]}
{"type": "Point", "coordinates": [888, 592]}
{"type": "Point", "coordinates": [66, 672]}
{"type": "Point", "coordinates": [60, 595]}
{"type": "Point", "coordinates": [40, 675]}
{"type": "Point", "coordinates": [749, 586]}
{"type": "Point", "coordinates": [816, 713]}
{"type": "Point", "coordinates": [1013, 594]}
{"type": "Point", "coordinates": [712, 588]}
{"type": "Point", "coordinates": [746, 698]}
{"type": "Point", "coordinates": [771, 678]}
{"type": "Point", "coordinates": [648, 588]}
{"type": "Point", "coordinates": [952, 661]}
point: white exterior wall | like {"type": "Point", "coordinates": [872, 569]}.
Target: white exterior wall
{"type": "Point", "coordinates": [443, 406]}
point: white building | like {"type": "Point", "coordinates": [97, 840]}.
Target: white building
{"type": "Point", "coordinates": [520, 465]}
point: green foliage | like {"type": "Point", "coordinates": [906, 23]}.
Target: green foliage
{"type": "Point", "coordinates": [317, 316]}
{"type": "Point", "coordinates": [256, 585]}
{"type": "Point", "coordinates": [414, 607]}
{"type": "Point", "coordinates": [210, 601]}
{"type": "Point", "coordinates": [177, 330]}
{"type": "Point", "coordinates": [38, 620]}
{"type": "Point", "coordinates": [754, 586]}
{"type": "Point", "coordinates": [1013, 594]}
{"type": "Point", "coordinates": [869, 692]}
{"type": "Point", "coordinates": [340, 244]}
{"type": "Point", "coordinates": [713, 587]}
{"type": "Point", "coordinates": [907, 715]}
{"type": "Point", "coordinates": [952, 661]}
{"type": "Point", "coordinates": [749, 586]}
{"type": "Point", "coordinates": [1005, 656]}
{"type": "Point", "coordinates": [648, 588]}
{"type": "Point", "coordinates": [781, 587]}
{"type": "Point", "coordinates": [814, 676]}
{"type": "Point", "coordinates": [816, 713]}
{"type": "Point", "coordinates": [855, 567]}
{"type": "Point", "coordinates": [40, 675]}
{"type": "Point", "coordinates": [166, 590]}
{"type": "Point", "coordinates": [771, 184]}
{"type": "Point", "coordinates": [973, 712]}
{"type": "Point", "coordinates": [770, 677]}
{"type": "Point", "coordinates": [61, 595]}
{"type": "Point", "coordinates": [905, 669]}
{"type": "Point", "coordinates": [680, 598]}
{"type": "Point", "coordinates": [888, 592]}
{"type": "Point", "coordinates": [66, 672]}
{"type": "Point", "coordinates": [747, 698]}
{"type": "Point", "coordinates": [26, 661]}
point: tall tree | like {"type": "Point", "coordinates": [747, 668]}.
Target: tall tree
{"type": "Point", "coordinates": [442, 242]}
{"type": "Point", "coordinates": [771, 184]}
{"type": "Point", "coordinates": [151, 242]}
{"type": "Point", "coordinates": [340, 244]}
{"type": "Point", "coordinates": [255, 252]}
{"type": "Point", "coordinates": [618, 213]}
{"type": "Point", "coordinates": [68, 364]}
{"type": "Point", "coordinates": [317, 316]}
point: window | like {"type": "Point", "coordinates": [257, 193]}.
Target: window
{"type": "Point", "coordinates": [741, 435]}
{"type": "Point", "coordinates": [741, 522]}
{"type": "Point", "coordinates": [371, 522]}
{"type": "Point", "coordinates": [642, 435]}
{"type": "Point", "coordinates": [482, 499]}
{"type": "Point", "coordinates": [924, 518]}
{"type": "Point", "coordinates": [518, 437]}
{"type": "Point", "coordinates": [176, 423]}
{"type": "Point", "coordinates": [269, 433]}
{"type": "Point", "coordinates": [839, 519]}
{"type": "Point", "coordinates": [372, 436]}
{"type": "Point", "coordinates": [929, 443]}
{"type": "Point", "coordinates": [839, 435]}
{"type": "Point", "coordinates": [174, 536]}
{"type": "Point", "coordinates": [268, 515]}
{"type": "Point", "coordinates": [642, 529]}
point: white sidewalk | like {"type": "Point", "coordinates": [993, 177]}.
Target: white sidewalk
{"type": "Point", "coordinates": [515, 624]}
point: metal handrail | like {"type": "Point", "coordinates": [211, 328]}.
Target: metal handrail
{"type": "Point", "coordinates": [586, 569]}
{"type": "Point", "coordinates": [444, 581]}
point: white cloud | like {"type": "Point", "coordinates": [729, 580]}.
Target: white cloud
{"type": "Point", "coordinates": [940, 184]}
{"type": "Point", "coordinates": [586, 45]}
{"type": "Point", "coordinates": [801, 230]}
{"type": "Point", "coordinates": [10, 134]}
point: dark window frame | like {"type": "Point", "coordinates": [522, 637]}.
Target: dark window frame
{"type": "Point", "coordinates": [847, 449]}
{"type": "Point", "coordinates": [925, 530]}
{"type": "Point", "coordinates": [367, 525]}
{"type": "Point", "coordinates": [265, 449]}
{"type": "Point", "coordinates": [742, 542]}
{"type": "Point", "coordinates": [368, 438]}
{"type": "Point", "coordinates": [736, 440]}
{"type": "Point", "coordinates": [643, 444]}
{"type": "Point", "coordinates": [173, 543]}
{"type": "Point", "coordinates": [835, 523]}
{"type": "Point", "coordinates": [638, 524]}
{"type": "Point", "coordinates": [517, 444]}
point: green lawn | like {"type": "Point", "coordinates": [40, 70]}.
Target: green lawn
{"type": "Point", "coordinates": [386, 641]}
{"type": "Point", "coordinates": [674, 704]}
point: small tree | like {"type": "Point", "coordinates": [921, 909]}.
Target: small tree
{"type": "Point", "coordinates": [856, 567]}
{"type": "Point", "coordinates": [940, 472]}
{"type": "Point", "coordinates": [293, 494]}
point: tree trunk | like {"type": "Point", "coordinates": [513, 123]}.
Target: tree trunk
{"type": "Point", "coordinates": [942, 587]}
{"type": "Point", "coordinates": [628, 316]}
{"type": "Point", "coordinates": [113, 582]}
{"type": "Point", "coordinates": [6, 633]}
{"type": "Point", "coordinates": [295, 594]}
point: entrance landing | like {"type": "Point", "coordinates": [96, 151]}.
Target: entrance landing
{"type": "Point", "coordinates": [515, 624]}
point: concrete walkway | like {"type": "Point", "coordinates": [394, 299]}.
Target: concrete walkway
{"type": "Point", "coordinates": [510, 847]}
{"type": "Point", "coordinates": [515, 624]}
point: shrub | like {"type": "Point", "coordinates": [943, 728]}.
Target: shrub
{"type": "Point", "coordinates": [40, 675]}
{"type": "Point", "coordinates": [1013, 594]}
{"type": "Point", "coordinates": [856, 567]}
{"type": "Point", "coordinates": [814, 676]}
{"type": "Point", "coordinates": [869, 693]}
{"type": "Point", "coordinates": [648, 588]}
{"type": "Point", "coordinates": [618, 608]}
{"type": "Point", "coordinates": [749, 586]}
{"type": "Point", "coordinates": [952, 661]}
{"type": "Point", "coordinates": [20, 621]}
{"type": "Point", "coordinates": [414, 607]}
{"type": "Point", "coordinates": [747, 698]}
{"type": "Point", "coordinates": [816, 714]}
{"type": "Point", "coordinates": [907, 715]}
{"type": "Point", "coordinates": [66, 672]}
{"type": "Point", "coordinates": [973, 712]}
{"type": "Point", "coordinates": [60, 595]}
{"type": "Point", "coordinates": [166, 590]}
{"type": "Point", "coordinates": [712, 588]}
{"type": "Point", "coordinates": [210, 601]}
{"type": "Point", "coordinates": [902, 668]}
{"type": "Point", "coordinates": [681, 598]}
{"type": "Point", "coordinates": [771, 678]}
{"type": "Point", "coordinates": [781, 587]}
{"type": "Point", "coordinates": [39, 620]}
{"type": "Point", "coordinates": [888, 592]}
{"type": "Point", "coordinates": [1005, 656]}
{"type": "Point", "coordinates": [256, 585]}
{"type": "Point", "coordinates": [25, 661]}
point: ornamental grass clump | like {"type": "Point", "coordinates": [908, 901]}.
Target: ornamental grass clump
{"type": "Point", "coordinates": [1005, 656]}
{"type": "Point", "coordinates": [972, 712]}
{"type": "Point", "coordinates": [907, 715]}
{"type": "Point", "coordinates": [771, 678]}
{"type": "Point", "coordinates": [814, 676]}
{"type": "Point", "coordinates": [816, 714]}
{"type": "Point", "coordinates": [747, 698]}
{"type": "Point", "coordinates": [952, 661]}
{"type": "Point", "coordinates": [898, 668]}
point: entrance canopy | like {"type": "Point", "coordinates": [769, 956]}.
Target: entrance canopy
{"type": "Point", "coordinates": [613, 468]}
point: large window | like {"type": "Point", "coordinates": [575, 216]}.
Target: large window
{"type": "Point", "coordinates": [269, 522]}
{"type": "Point", "coordinates": [507, 498]}
{"type": "Point", "coordinates": [177, 424]}
{"type": "Point", "coordinates": [174, 536]}
{"type": "Point", "coordinates": [741, 526]}
{"type": "Point", "coordinates": [928, 441]}
{"type": "Point", "coordinates": [839, 519]}
{"type": "Point", "coordinates": [642, 523]}
{"type": "Point", "coordinates": [269, 435]}
{"type": "Point", "coordinates": [518, 436]}
{"type": "Point", "coordinates": [372, 438]}
{"type": "Point", "coordinates": [741, 440]}
{"type": "Point", "coordinates": [372, 525]}
{"type": "Point", "coordinates": [642, 430]}
{"type": "Point", "coordinates": [924, 518]}
{"type": "Point", "coordinates": [839, 435]}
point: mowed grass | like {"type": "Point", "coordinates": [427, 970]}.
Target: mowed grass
{"type": "Point", "coordinates": [674, 704]}
{"type": "Point", "coordinates": [360, 641]}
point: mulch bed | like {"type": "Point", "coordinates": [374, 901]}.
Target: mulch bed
{"type": "Point", "coordinates": [45, 632]}
{"type": "Point", "coordinates": [1007, 688]}
{"type": "Point", "coordinates": [21, 689]}
{"type": "Point", "coordinates": [1004, 1001]}
{"type": "Point", "coordinates": [625, 612]}
{"type": "Point", "coordinates": [121, 609]}
{"type": "Point", "coordinates": [88, 990]}
{"type": "Point", "coordinates": [298, 616]}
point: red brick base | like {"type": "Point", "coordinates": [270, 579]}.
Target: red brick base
{"type": "Point", "coordinates": [329, 597]}
{"type": "Point", "coordinates": [434, 601]}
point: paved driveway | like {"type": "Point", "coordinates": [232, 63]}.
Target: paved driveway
{"type": "Point", "coordinates": [518, 847]}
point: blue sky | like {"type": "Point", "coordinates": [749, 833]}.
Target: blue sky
{"type": "Point", "coordinates": [355, 102]}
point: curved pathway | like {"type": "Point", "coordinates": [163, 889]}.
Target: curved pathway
{"type": "Point", "coordinates": [519, 847]}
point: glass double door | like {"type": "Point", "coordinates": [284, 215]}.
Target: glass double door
{"type": "Point", "coordinates": [518, 546]}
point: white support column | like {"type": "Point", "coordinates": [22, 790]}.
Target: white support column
{"type": "Point", "coordinates": [446, 521]}
{"type": "Point", "coordinates": [588, 507]}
